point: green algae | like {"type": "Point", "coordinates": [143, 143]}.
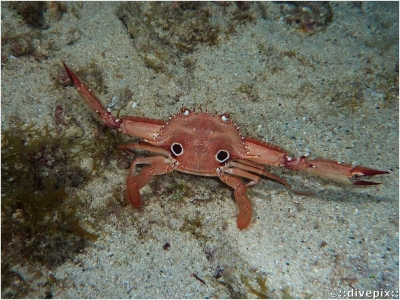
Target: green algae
{"type": "Point", "coordinates": [41, 212]}
{"type": "Point", "coordinates": [169, 32]}
{"type": "Point", "coordinates": [179, 191]}
{"type": "Point", "coordinates": [262, 291]}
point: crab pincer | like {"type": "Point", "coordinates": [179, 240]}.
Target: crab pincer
{"type": "Point", "coordinates": [336, 171]}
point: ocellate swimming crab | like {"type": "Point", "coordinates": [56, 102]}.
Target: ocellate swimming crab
{"type": "Point", "coordinates": [205, 144]}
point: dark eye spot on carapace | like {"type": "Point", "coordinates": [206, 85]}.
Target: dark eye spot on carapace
{"type": "Point", "coordinates": [222, 156]}
{"type": "Point", "coordinates": [177, 149]}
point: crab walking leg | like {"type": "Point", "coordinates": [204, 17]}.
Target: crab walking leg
{"type": "Point", "coordinates": [253, 168]}
{"type": "Point", "coordinates": [243, 203]}
{"type": "Point", "coordinates": [254, 179]}
{"type": "Point", "coordinates": [94, 104]}
{"type": "Point", "coordinates": [142, 127]}
{"type": "Point", "coordinates": [128, 148]}
{"type": "Point", "coordinates": [158, 166]}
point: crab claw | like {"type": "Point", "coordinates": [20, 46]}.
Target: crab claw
{"type": "Point", "coordinates": [342, 172]}
{"type": "Point", "coordinates": [99, 111]}
{"type": "Point", "coordinates": [336, 171]}
{"type": "Point", "coordinates": [359, 171]}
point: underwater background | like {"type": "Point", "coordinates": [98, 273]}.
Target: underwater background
{"type": "Point", "coordinates": [318, 78]}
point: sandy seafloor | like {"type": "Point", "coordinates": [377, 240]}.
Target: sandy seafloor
{"type": "Point", "coordinates": [340, 239]}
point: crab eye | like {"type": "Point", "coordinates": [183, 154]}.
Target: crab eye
{"type": "Point", "coordinates": [185, 111]}
{"type": "Point", "coordinates": [177, 149]}
{"type": "Point", "coordinates": [225, 117]}
{"type": "Point", "coordinates": [222, 156]}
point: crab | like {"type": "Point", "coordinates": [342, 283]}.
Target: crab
{"type": "Point", "coordinates": [205, 144]}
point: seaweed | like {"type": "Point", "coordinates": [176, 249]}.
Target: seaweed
{"type": "Point", "coordinates": [17, 44]}
{"type": "Point", "coordinates": [94, 77]}
{"type": "Point", "coordinates": [168, 32]}
{"type": "Point", "coordinates": [249, 90]}
{"type": "Point", "coordinates": [38, 14]}
{"type": "Point", "coordinates": [37, 170]}
{"type": "Point", "coordinates": [40, 219]}
{"type": "Point", "coordinates": [179, 191]}
{"type": "Point", "coordinates": [263, 292]}
{"type": "Point", "coordinates": [194, 225]}
{"type": "Point", "coordinates": [31, 12]}
{"type": "Point", "coordinates": [307, 16]}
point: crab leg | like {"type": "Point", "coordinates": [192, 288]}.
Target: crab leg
{"type": "Point", "coordinates": [336, 171]}
{"type": "Point", "coordinates": [231, 167]}
{"type": "Point", "coordinates": [128, 148]}
{"type": "Point", "coordinates": [265, 153]}
{"type": "Point", "coordinates": [243, 203]}
{"type": "Point", "coordinates": [240, 189]}
{"type": "Point", "coordinates": [92, 102]}
{"type": "Point", "coordinates": [241, 173]}
{"type": "Point", "coordinates": [137, 126]}
{"type": "Point", "coordinates": [158, 166]}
